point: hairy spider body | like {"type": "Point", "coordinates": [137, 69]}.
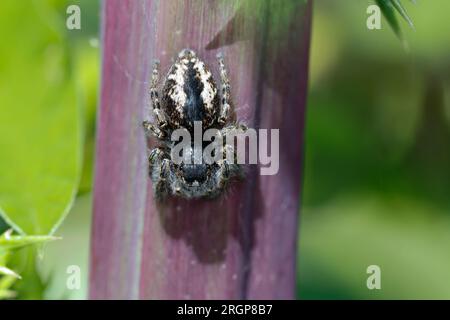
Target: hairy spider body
{"type": "Point", "coordinates": [189, 95]}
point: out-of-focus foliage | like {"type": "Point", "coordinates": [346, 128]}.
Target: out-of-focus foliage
{"type": "Point", "coordinates": [40, 125]}
{"type": "Point", "coordinates": [87, 78]}
{"type": "Point", "coordinates": [8, 244]}
{"type": "Point", "coordinates": [49, 79]}
{"type": "Point", "coordinates": [72, 250]}
{"type": "Point", "coordinates": [389, 8]}
{"type": "Point", "coordinates": [377, 173]}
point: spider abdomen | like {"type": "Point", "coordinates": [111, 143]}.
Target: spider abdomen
{"type": "Point", "coordinates": [190, 93]}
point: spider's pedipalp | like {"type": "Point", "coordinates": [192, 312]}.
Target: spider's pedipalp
{"type": "Point", "coordinates": [160, 171]}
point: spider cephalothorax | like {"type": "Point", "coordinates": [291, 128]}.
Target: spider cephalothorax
{"type": "Point", "coordinates": [189, 96]}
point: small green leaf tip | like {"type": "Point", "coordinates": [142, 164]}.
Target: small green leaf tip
{"type": "Point", "coordinates": [8, 272]}
{"type": "Point", "coordinates": [9, 241]}
{"type": "Point", "coordinates": [389, 7]}
{"type": "Point", "coordinates": [400, 9]}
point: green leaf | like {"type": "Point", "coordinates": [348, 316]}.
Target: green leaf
{"type": "Point", "coordinates": [388, 11]}
{"type": "Point", "coordinates": [389, 7]}
{"type": "Point", "coordinates": [6, 282]}
{"type": "Point", "coordinates": [40, 123]}
{"type": "Point", "coordinates": [32, 285]}
{"type": "Point", "coordinates": [7, 294]}
{"type": "Point", "coordinates": [8, 272]}
{"type": "Point", "coordinates": [9, 242]}
{"type": "Point", "coordinates": [8, 277]}
{"type": "Point", "coordinates": [400, 9]}
{"type": "Point", "coordinates": [86, 64]}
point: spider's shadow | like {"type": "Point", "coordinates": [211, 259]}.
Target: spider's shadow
{"type": "Point", "coordinates": [209, 226]}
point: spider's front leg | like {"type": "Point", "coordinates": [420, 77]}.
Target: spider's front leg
{"type": "Point", "coordinates": [225, 101]}
{"type": "Point", "coordinates": [158, 129]}
{"type": "Point", "coordinates": [159, 168]}
{"type": "Point", "coordinates": [220, 178]}
{"type": "Point", "coordinates": [153, 130]}
{"type": "Point", "coordinates": [233, 168]}
{"type": "Point", "coordinates": [224, 173]}
{"type": "Point", "coordinates": [233, 134]}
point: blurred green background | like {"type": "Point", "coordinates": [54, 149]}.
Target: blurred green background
{"type": "Point", "coordinates": [377, 171]}
{"type": "Point", "coordinates": [377, 167]}
{"type": "Point", "coordinates": [49, 78]}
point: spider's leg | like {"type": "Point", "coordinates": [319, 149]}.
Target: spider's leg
{"type": "Point", "coordinates": [234, 169]}
{"type": "Point", "coordinates": [222, 175]}
{"type": "Point", "coordinates": [233, 130]}
{"type": "Point", "coordinates": [176, 188]}
{"type": "Point", "coordinates": [156, 129]}
{"type": "Point", "coordinates": [175, 183]}
{"type": "Point", "coordinates": [225, 101]}
{"type": "Point", "coordinates": [230, 134]}
{"type": "Point", "coordinates": [154, 96]}
{"type": "Point", "coordinates": [155, 157]}
{"type": "Point", "coordinates": [159, 171]}
{"type": "Point", "coordinates": [152, 129]}
{"type": "Point", "coordinates": [230, 153]}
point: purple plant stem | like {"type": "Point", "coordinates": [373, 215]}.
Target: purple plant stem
{"type": "Point", "coordinates": [242, 245]}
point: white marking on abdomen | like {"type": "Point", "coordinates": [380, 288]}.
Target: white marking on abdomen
{"type": "Point", "coordinates": [209, 91]}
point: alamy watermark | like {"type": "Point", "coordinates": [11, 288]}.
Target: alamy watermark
{"type": "Point", "coordinates": [229, 145]}
{"type": "Point", "coordinates": [373, 21]}
{"type": "Point", "coordinates": [73, 281]}
{"type": "Point", "coordinates": [374, 280]}
{"type": "Point", "coordinates": [73, 21]}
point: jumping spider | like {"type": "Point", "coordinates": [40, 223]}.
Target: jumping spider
{"type": "Point", "coordinates": [189, 93]}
